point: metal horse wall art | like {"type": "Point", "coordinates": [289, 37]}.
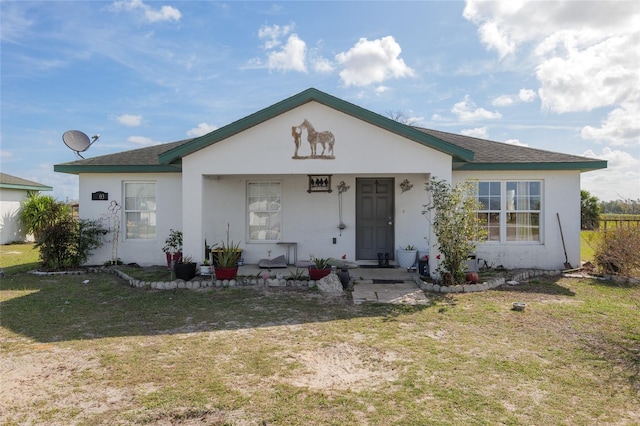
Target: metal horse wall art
{"type": "Point", "coordinates": [324, 138]}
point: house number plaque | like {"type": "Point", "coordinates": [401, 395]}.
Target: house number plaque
{"type": "Point", "coordinates": [100, 196]}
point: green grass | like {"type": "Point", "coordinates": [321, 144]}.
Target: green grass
{"type": "Point", "coordinates": [107, 353]}
{"type": "Point", "coordinates": [15, 258]}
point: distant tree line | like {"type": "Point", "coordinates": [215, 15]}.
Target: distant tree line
{"type": "Point", "coordinates": [627, 206]}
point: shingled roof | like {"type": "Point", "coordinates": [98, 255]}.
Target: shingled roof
{"type": "Point", "coordinates": [135, 161]}
{"type": "Point", "coordinates": [468, 153]}
{"type": "Point", "coordinates": [492, 155]}
{"type": "Point", "coordinates": [14, 182]}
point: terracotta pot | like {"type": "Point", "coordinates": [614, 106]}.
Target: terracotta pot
{"type": "Point", "coordinates": [226, 273]}
{"type": "Point", "coordinates": [472, 277]}
{"type": "Point", "coordinates": [316, 274]}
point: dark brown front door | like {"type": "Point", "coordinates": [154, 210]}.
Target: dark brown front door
{"type": "Point", "coordinates": [374, 218]}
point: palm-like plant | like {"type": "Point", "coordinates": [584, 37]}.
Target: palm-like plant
{"type": "Point", "coordinates": [40, 211]}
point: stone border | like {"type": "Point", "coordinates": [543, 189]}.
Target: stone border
{"type": "Point", "coordinates": [210, 282]}
{"type": "Point", "coordinates": [487, 285]}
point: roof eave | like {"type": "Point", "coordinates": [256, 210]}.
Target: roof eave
{"type": "Point", "coordinates": [584, 166]}
{"type": "Point", "coordinates": [314, 95]}
{"type": "Point", "coordinates": [26, 187]}
{"type": "Point", "coordinates": [77, 169]}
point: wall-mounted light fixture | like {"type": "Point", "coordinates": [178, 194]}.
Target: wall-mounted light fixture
{"type": "Point", "coordinates": [405, 185]}
{"type": "Point", "coordinates": [342, 187]}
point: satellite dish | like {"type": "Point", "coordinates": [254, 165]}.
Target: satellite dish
{"type": "Point", "coordinates": [78, 141]}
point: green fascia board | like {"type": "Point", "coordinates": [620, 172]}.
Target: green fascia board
{"type": "Point", "coordinates": [584, 166]}
{"type": "Point", "coordinates": [76, 169]}
{"type": "Point", "coordinates": [26, 187]}
{"type": "Point", "coordinates": [302, 98]}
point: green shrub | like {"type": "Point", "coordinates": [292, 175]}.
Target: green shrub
{"type": "Point", "coordinates": [68, 243]}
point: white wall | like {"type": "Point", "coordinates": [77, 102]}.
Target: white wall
{"type": "Point", "coordinates": [169, 214]}
{"type": "Point", "coordinates": [220, 173]}
{"type": "Point", "coordinates": [561, 194]}
{"type": "Point", "coordinates": [10, 200]}
{"type": "Point", "coordinates": [310, 219]}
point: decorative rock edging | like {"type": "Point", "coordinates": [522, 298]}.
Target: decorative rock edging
{"type": "Point", "coordinates": [210, 282]}
{"type": "Point", "coordinates": [470, 288]}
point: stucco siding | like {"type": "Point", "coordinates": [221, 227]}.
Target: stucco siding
{"type": "Point", "coordinates": [169, 214]}
{"type": "Point", "coordinates": [10, 200]}
{"type": "Point", "coordinates": [561, 195]}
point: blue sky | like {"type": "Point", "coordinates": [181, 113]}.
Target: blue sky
{"type": "Point", "coordinates": [559, 76]}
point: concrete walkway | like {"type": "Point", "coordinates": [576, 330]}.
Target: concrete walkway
{"type": "Point", "coordinates": [405, 292]}
{"type": "Point", "coordinates": [377, 285]}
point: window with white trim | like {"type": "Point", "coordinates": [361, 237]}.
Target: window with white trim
{"type": "Point", "coordinates": [264, 201]}
{"type": "Point", "coordinates": [523, 202]}
{"type": "Point", "coordinates": [510, 210]}
{"type": "Point", "coordinates": [489, 215]}
{"type": "Point", "coordinates": [140, 210]}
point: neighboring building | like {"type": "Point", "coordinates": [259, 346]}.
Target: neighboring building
{"type": "Point", "coordinates": [272, 178]}
{"type": "Point", "coordinates": [14, 190]}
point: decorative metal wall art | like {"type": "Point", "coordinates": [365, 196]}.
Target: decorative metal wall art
{"type": "Point", "coordinates": [315, 138]}
{"type": "Point", "coordinates": [319, 183]}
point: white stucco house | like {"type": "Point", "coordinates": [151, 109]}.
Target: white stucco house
{"type": "Point", "coordinates": [335, 179]}
{"type": "Point", "coordinates": [13, 191]}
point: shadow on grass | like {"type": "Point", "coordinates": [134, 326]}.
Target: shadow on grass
{"type": "Point", "coordinates": [542, 285]}
{"type": "Point", "coordinates": [64, 307]}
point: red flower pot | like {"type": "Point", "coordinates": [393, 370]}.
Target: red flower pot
{"type": "Point", "coordinates": [472, 277]}
{"type": "Point", "coordinates": [172, 257]}
{"type": "Point", "coordinates": [316, 274]}
{"type": "Point", "coordinates": [226, 273]}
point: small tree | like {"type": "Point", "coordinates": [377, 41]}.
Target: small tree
{"type": "Point", "coordinates": [456, 224]}
{"type": "Point", "coordinates": [40, 211]}
{"type": "Point", "coordinates": [589, 210]}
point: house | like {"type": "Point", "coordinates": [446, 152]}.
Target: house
{"type": "Point", "coordinates": [13, 191]}
{"type": "Point", "coordinates": [330, 179]}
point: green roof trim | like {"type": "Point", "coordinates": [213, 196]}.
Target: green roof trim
{"type": "Point", "coordinates": [582, 166]}
{"type": "Point", "coordinates": [84, 168]}
{"type": "Point", "coordinates": [302, 98]}
{"type": "Point", "coordinates": [13, 182]}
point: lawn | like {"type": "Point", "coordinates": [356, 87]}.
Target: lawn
{"type": "Point", "coordinates": [99, 352]}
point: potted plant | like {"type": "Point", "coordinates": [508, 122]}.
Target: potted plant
{"type": "Point", "coordinates": [185, 268]}
{"type": "Point", "coordinates": [173, 247]}
{"type": "Point", "coordinates": [319, 269]}
{"type": "Point", "coordinates": [205, 267]}
{"type": "Point", "coordinates": [226, 260]}
{"type": "Point", "coordinates": [406, 256]}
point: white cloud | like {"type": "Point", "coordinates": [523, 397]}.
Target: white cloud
{"type": "Point", "coordinates": [585, 56]}
{"type": "Point", "coordinates": [142, 140]}
{"type": "Point", "coordinates": [502, 101]}
{"type": "Point", "coordinates": [322, 65]}
{"type": "Point", "coordinates": [620, 128]}
{"type": "Point", "coordinates": [374, 61]}
{"type": "Point", "coordinates": [5, 154]}
{"type": "Point", "coordinates": [478, 132]}
{"type": "Point", "coordinates": [621, 177]}
{"type": "Point", "coordinates": [527, 95]}
{"type": "Point", "coordinates": [515, 142]}
{"type": "Point", "coordinates": [291, 57]}
{"type": "Point", "coordinates": [129, 120]}
{"type": "Point", "coordinates": [165, 13]}
{"type": "Point", "coordinates": [467, 110]}
{"type": "Point", "coordinates": [273, 34]}
{"type": "Point", "coordinates": [583, 79]}
{"type": "Point", "coordinates": [202, 129]}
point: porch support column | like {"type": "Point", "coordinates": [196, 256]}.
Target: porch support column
{"type": "Point", "coordinates": [192, 194]}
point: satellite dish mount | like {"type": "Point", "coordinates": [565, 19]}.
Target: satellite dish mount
{"type": "Point", "coordinates": [78, 141]}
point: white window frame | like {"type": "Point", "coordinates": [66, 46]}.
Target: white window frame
{"type": "Point", "coordinates": [150, 211]}
{"type": "Point", "coordinates": [516, 210]}
{"type": "Point", "coordinates": [268, 213]}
